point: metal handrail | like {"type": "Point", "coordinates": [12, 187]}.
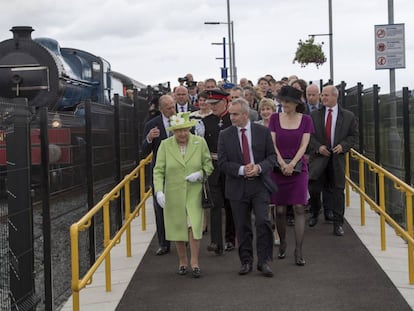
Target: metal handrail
{"type": "Point", "coordinates": [405, 234]}
{"type": "Point", "coordinates": [85, 222]}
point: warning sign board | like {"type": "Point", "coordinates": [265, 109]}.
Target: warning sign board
{"type": "Point", "coordinates": [389, 46]}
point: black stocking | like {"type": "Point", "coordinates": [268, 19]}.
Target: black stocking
{"type": "Point", "coordinates": [281, 224]}
{"type": "Point", "coordinates": [299, 227]}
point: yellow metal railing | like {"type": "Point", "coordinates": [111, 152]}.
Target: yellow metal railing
{"type": "Point", "coordinates": [85, 222]}
{"type": "Point", "coordinates": [406, 234]}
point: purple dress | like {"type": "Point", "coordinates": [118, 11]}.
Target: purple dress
{"type": "Point", "coordinates": [292, 189]}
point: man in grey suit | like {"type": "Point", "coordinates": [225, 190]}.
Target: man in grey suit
{"type": "Point", "coordinates": [246, 155]}
{"type": "Point", "coordinates": [336, 132]}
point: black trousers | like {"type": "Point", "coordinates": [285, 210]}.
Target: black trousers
{"type": "Point", "coordinates": [159, 222]}
{"type": "Point", "coordinates": [216, 214]}
{"type": "Point", "coordinates": [335, 195]}
{"type": "Point", "coordinates": [256, 199]}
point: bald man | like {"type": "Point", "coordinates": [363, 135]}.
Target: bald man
{"type": "Point", "coordinates": [182, 100]}
{"type": "Point", "coordinates": [336, 132]}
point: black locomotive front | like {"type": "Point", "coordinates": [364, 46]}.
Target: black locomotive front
{"type": "Point", "coordinates": [47, 75]}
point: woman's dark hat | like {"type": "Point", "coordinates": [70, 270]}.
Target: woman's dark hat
{"type": "Point", "coordinates": [289, 94]}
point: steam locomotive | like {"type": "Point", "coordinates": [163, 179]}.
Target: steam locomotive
{"type": "Point", "coordinates": [61, 79]}
{"type": "Point", "coordinates": [58, 78]}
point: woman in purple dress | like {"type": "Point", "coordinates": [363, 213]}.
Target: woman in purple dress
{"type": "Point", "coordinates": [291, 130]}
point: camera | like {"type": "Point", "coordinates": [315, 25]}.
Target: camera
{"type": "Point", "coordinates": [182, 80]}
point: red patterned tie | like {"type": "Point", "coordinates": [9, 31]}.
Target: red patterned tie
{"type": "Point", "coordinates": [328, 127]}
{"type": "Point", "coordinates": [245, 146]}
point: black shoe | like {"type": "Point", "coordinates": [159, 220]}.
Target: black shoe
{"type": "Point", "coordinates": [245, 268]}
{"type": "Point", "coordinates": [299, 261]}
{"type": "Point", "coordinates": [213, 247]}
{"type": "Point", "coordinates": [265, 269]}
{"type": "Point", "coordinates": [182, 270]}
{"type": "Point", "coordinates": [196, 272]}
{"type": "Point", "coordinates": [291, 221]}
{"type": "Point", "coordinates": [282, 250]}
{"type": "Point", "coordinates": [329, 216]}
{"type": "Point", "coordinates": [229, 247]}
{"type": "Point", "coordinates": [162, 251]}
{"type": "Point", "coordinates": [312, 221]}
{"type": "Point", "coordinates": [338, 231]}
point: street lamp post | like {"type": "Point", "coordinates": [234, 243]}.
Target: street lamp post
{"type": "Point", "coordinates": [232, 66]}
{"type": "Point", "coordinates": [224, 69]}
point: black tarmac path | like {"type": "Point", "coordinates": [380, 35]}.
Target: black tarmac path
{"type": "Point", "coordinates": [340, 274]}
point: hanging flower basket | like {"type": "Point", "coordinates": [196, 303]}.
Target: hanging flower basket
{"type": "Point", "coordinates": [309, 52]}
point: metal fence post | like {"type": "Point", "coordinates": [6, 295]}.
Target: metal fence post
{"type": "Point", "coordinates": [47, 238]}
{"type": "Point", "coordinates": [117, 160]}
{"type": "Point", "coordinates": [360, 117]}
{"type": "Point", "coordinates": [20, 211]}
{"type": "Point", "coordinates": [406, 133]}
{"type": "Point", "coordinates": [89, 177]}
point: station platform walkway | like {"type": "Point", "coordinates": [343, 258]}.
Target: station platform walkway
{"type": "Point", "coordinates": [341, 273]}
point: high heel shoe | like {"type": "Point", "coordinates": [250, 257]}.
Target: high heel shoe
{"type": "Point", "coordinates": [196, 272]}
{"type": "Point", "coordinates": [282, 250]}
{"type": "Point", "coordinates": [299, 261]}
{"type": "Point", "coordinates": [182, 270]}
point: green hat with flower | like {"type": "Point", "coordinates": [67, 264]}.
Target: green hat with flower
{"type": "Point", "coordinates": [181, 121]}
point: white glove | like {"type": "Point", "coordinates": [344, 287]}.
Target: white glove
{"type": "Point", "coordinates": [193, 177]}
{"type": "Point", "coordinates": [200, 129]}
{"type": "Point", "coordinates": [161, 199]}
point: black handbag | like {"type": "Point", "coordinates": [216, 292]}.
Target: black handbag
{"type": "Point", "coordinates": [296, 170]}
{"type": "Point", "coordinates": [206, 199]}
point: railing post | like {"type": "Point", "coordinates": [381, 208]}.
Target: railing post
{"type": "Point", "coordinates": [362, 188]}
{"type": "Point", "coordinates": [75, 266]}
{"type": "Point", "coordinates": [382, 207]}
{"type": "Point", "coordinates": [410, 247]}
{"type": "Point", "coordinates": [127, 202]}
{"type": "Point", "coordinates": [107, 224]}
{"type": "Point", "coordinates": [142, 192]}
{"type": "Point", "coordinates": [347, 174]}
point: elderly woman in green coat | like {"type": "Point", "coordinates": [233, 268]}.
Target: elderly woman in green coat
{"type": "Point", "coordinates": [178, 175]}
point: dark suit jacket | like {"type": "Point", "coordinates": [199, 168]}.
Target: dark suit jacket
{"type": "Point", "coordinates": [146, 147]}
{"type": "Point", "coordinates": [191, 108]}
{"type": "Point", "coordinates": [346, 134]}
{"type": "Point", "coordinates": [230, 158]}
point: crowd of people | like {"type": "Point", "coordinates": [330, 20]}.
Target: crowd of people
{"type": "Point", "coordinates": [271, 151]}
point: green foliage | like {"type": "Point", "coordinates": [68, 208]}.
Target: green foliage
{"type": "Point", "coordinates": [309, 52]}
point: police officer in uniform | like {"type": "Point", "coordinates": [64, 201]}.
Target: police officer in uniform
{"type": "Point", "coordinates": [213, 124]}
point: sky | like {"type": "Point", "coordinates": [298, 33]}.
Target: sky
{"type": "Point", "coordinates": [159, 40]}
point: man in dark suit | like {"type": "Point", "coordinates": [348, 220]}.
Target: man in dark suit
{"type": "Point", "coordinates": [246, 155]}
{"type": "Point", "coordinates": [154, 132]}
{"type": "Point", "coordinates": [183, 100]}
{"type": "Point", "coordinates": [336, 132]}
{"type": "Point", "coordinates": [313, 97]}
